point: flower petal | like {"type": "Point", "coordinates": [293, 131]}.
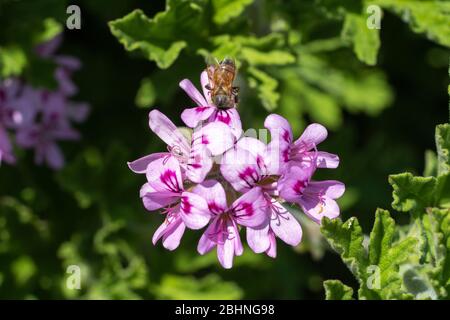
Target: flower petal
{"type": "Point", "coordinates": [272, 251]}
{"type": "Point", "coordinates": [280, 144]}
{"type": "Point", "coordinates": [171, 232]}
{"type": "Point", "coordinates": [229, 117]}
{"type": "Point", "coordinates": [250, 210]}
{"type": "Point", "coordinates": [194, 211]}
{"type": "Point", "coordinates": [327, 160]}
{"type": "Point", "coordinates": [284, 225]}
{"type": "Point", "coordinates": [204, 80]}
{"type": "Point", "coordinates": [240, 168]}
{"type": "Point", "coordinates": [193, 116]}
{"type": "Point", "coordinates": [140, 165]}
{"type": "Point", "coordinates": [226, 250]}
{"type": "Point", "coordinates": [313, 135]}
{"type": "Point", "coordinates": [164, 174]}
{"type": "Point", "coordinates": [206, 244]}
{"type": "Point", "coordinates": [258, 239]}
{"type": "Point", "coordinates": [279, 128]}
{"type": "Point", "coordinates": [199, 163]}
{"type": "Point", "coordinates": [167, 131]}
{"type": "Point", "coordinates": [192, 92]}
{"type": "Point", "coordinates": [330, 188]}
{"type": "Point", "coordinates": [294, 182]}
{"type": "Point", "coordinates": [216, 136]}
{"type": "Point", "coordinates": [154, 200]}
{"type": "Point", "coordinates": [317, 208]}
{"type": "Point", "coordinates": [214, 194]}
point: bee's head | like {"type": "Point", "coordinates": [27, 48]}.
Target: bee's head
{"type": "Point", "coordinates": [222, 101]}
{"type": "Point", "coordinates": [228, 61]}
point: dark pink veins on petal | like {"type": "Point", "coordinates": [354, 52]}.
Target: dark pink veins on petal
{"type": "Point", "coordinates": [186, 206]}
{"type": "Point", "coordinates": [200, 109]}
{"type": "Point", "coordinates": [169, 178]}
{"type": "Point", "coordinates": [223, 116]}
{"type": "Point", "coordinates": [300, 186]}
{"type": "Point", "coordinates": [249, 175]}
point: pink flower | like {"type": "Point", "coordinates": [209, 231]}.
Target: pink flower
{"type": "Point", "coordinates": [301, 151]}
{"type": "Point", "coordinates": [206, 110]}
{"type": "Point", "coordinates": [258, 179]}
{"type": "Point", "coordinates": [54, 125]}
{"type": "Point", "coordinates": [164, 189]}
{"type": "Point", "coordinates": [316, 198]}
{"type": "Point", "coordinates": [247, 167]}
{"type": "Point", "coordinates": [194, 156]}
{"type": "Point", "coordinates": [223, 232]}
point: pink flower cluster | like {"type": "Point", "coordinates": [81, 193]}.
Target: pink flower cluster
{"type": "Point", "coordinates": [218, 178]}
{"type": "Point", "coordinates": [39, 118]}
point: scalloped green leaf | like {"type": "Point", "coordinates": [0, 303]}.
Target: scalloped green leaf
{"type": "Point", "coordinates": [161, 38]}
{"type": "Point", "coordinates": [365, 41]}
{"type": "Point", "coordinates": [411, 192]}
{"type": "Point", "coordinates": [336, 290]}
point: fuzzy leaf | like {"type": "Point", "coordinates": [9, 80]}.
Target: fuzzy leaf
{"type": "Point", "coordinates": [336, 290]}
{"type": "Point", "coordinates": [412, 192]}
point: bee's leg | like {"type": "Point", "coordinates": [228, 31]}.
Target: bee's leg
{"type": "Point", "coordinates": [208, 87]}
{"type": "Point", "coordinates": [236, 99]}
{"type": "Point", "coordinates": [235, 90]}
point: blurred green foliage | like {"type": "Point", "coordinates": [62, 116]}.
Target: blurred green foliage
{"type": "Point", "coordinates": [309, 60]}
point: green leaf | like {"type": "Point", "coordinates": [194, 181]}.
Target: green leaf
{"type": "Point", "coordinates": [428, 17]}
{"type": "Point", "coordinates": [386, 254]}
{"type": "Point", "coordinates": [210, 287]}
{"type": "Point", "coordinates": [431, 164]}
{"type": "Point", "coordinates": [443, 148]}
{"type": "Point", "coordinates": [146, 95]}
{"type": "Point", "coordinates": [265, 86]}
{"type": "Point", "coordinates": [162, 38]}
{"type": "Point", "coordinates": [366, 42]}
{"type": "Point", "coordinates": [12, 61]}
{"type": "Point", "coordinates": [225, 10]}
{"type": "Point", "coordinates": [412, 193]}
{"type": "Point", "coordinates": [377, 269]}
{"type": "Point", "coordinates": [50, 29]}
{"type": "Point", "coordinates": [347, 240]}
{"type": "Point", "coordinates": [275, 57]}
{"type": "Point", "coordinates": [336, 290]}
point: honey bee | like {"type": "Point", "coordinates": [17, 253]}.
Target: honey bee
{"type": "Point", "coordinates": [221, 76]}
